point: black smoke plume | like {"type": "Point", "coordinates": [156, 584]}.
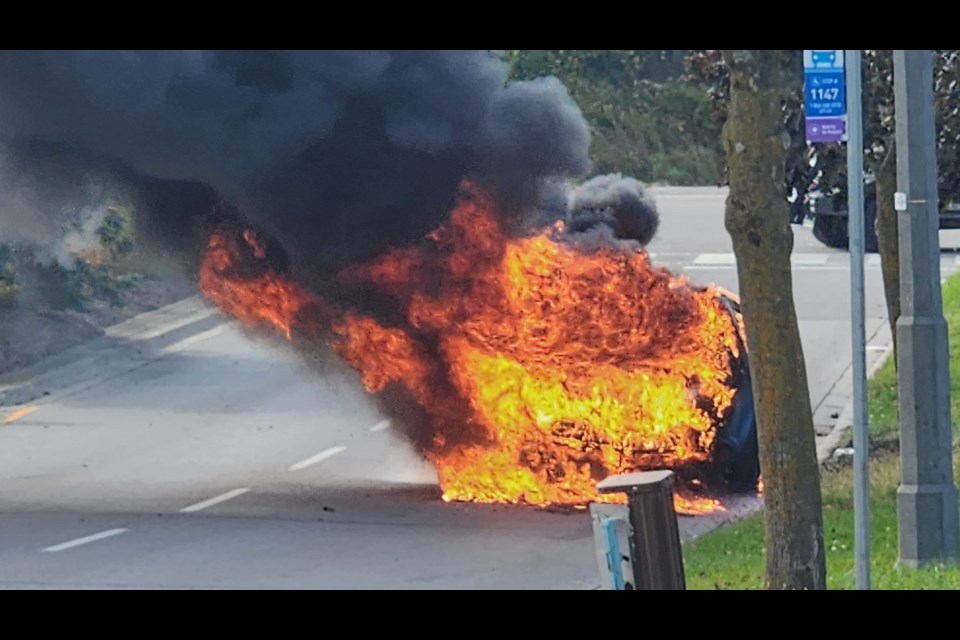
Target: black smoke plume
{"type": "Point", "coordinates": [338, 154]}
{"type": "Point", "coordinates": [615, 204]}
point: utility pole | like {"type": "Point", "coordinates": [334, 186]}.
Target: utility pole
{"type": "Point", "coordinates": [927, 497]}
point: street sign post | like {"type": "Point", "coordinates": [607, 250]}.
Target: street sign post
{"type": "Point", "coordinates": [856, 233]}
{"type": "Point", "coordinates": [826, 73]}
{"type": "Point", "coordinates": [824, 95]}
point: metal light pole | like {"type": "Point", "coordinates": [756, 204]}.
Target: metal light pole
{"type": "Point", "coordinates": [927, 497]}
{"type": "Point", "coordinates": [861, 442]}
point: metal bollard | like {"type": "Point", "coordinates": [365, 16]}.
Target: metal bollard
{"type": "Point", "coordinates": [655, 536]}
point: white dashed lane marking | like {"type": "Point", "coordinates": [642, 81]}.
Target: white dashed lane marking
{"type": "Point", "coordinates": [320, 457]}
{"type": "Point", "coordinates": [70, 544]}
{"type": "Point", "coordinates": [383, 425]}
{"type": "Point", "coordinates": [223, 497]}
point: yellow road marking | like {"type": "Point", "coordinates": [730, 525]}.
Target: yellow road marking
{"type": "Point", "coordinates": [19, 413]}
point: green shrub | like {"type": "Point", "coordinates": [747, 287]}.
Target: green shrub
{"type": "Point", "coordinates": [644, 121]}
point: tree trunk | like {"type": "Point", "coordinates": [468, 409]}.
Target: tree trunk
{"type": "Point", "coordinates": [758, 221]}
{"type": "Point", "coordinates": [889, 241]}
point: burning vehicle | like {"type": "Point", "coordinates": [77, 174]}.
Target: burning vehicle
{"type": "Point", "coordinates": [414, 214]}
{"type": "Point", "coordinates": [526, 368]}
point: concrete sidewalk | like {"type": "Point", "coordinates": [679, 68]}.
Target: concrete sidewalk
{"type": "Point", "coordinates": [879, 347]}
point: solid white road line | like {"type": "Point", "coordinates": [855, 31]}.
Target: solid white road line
{"type": "Point", "coordinates": [381, 426]}
{"type": "Point", "coordinates": [223, 497]}
{"type": "Point", "coordinates": [320, 457]}
{"type": "Point", "coordinates": [85, 540]}
{"type": "Point", "coordinates": [730, 260]}
{"type": "Point", "coordinates": [715, 259]}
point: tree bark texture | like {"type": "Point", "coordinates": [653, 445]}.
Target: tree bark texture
{"type": "Point", "coordinates": [758, 221]}
{"type": "Point", "coordinates": [889, 242]}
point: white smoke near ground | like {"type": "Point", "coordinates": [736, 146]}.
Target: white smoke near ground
{"type": "Point", "coordinates": [79, 238]}
{"type": "Point", "coordinates": [52, 209]}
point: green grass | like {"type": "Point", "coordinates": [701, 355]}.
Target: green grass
{"type": "Point", "coordinates": [733, 557]}
{"type": "Point", "coordinates": [883, 387]}
{"type": "Point", "coordinates": [882, 393]}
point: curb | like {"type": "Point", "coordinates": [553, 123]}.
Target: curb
{"type": "Point", "coordinates": [123, 347]}
{"type": "Point", "coordinates": [879, 350]}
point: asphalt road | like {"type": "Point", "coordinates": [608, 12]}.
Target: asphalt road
{"type": "Point", "coordinates": [213, 460]}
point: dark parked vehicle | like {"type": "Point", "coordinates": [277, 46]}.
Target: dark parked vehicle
{"type": "Point", "coordinates": [830, 221]}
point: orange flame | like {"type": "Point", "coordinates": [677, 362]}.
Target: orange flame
{"type": "Point", "coordinates": [268, 299]}
{"type": "Point", "coordinates": [541, 367]}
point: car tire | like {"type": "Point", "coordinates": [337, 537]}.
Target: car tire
{"type": "Point", "coordinates": [832, 231]}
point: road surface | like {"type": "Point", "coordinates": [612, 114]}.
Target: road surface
{"type": "Point", "coordinates": [203, 458]}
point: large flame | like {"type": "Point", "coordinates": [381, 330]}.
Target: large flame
{"type": "Point", "coordinates": [540, 366]}
{"type": "Point", "coordinates": [264, 298]}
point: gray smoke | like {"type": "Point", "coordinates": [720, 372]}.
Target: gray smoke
{"type": "Point", "coordinates": [337, 153]}
{"type": "Point", "coordinates": [52, 206]}
{"type": "Point", "coordinates": [614, 204]}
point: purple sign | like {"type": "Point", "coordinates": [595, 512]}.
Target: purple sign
{"type": "Point", "coordinates": [827, 129]}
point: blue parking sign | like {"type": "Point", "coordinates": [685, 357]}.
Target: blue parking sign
{"type": "Point", "coordinates": [823, 60]}
{"type": "Point", "coordinates": [824, 95]}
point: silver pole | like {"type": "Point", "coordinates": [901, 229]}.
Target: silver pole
{"type": "Point", "coordinates": [861, 442]}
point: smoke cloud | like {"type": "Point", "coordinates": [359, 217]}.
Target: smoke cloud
{"type": "Point", "coordinates": [339, 154]}
{"type": "Point", "coordinates": [52, 204]}
{"type": "Point", "coordinates": [336, 156]}
{"type": "Point", "coordinates": [615, 204]}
